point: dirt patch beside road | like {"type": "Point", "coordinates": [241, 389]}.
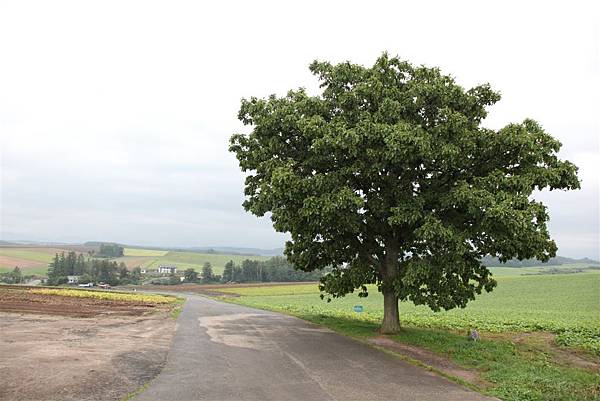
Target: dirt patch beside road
{"type": "Point", "coordinates": [104, 356]}
{"type": "Point", "coordinates": [429, 358]}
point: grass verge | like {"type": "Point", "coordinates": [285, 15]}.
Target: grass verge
{"type": "Point", "coordinates": [133, 394]}
{"type": "Point", "coordinates": [178, 308]}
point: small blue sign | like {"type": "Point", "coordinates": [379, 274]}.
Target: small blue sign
{"type": "Point", "coordinates": [358, 308]}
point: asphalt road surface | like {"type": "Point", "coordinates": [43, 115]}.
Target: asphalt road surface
{"type": "Point", "coordinates": [228, 352]}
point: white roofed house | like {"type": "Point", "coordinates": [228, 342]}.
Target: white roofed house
{"type": "Point", "coordinates": [167, 269]}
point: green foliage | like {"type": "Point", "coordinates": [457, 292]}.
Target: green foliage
{"type": "Point", "coordinates": [89, 270]}
{"type": "Point", "coordinates": [207, 273]}
{"type": "Point", "coordinates": [136, 274]}
{"type": "Point", "coordinates": [228, 272]}
{"type": "Point", "coordinates": [190, 275]}
{"type": "Point", "coordinates": [110, 250]}
{"type": "Point", "coordinates": [389, 177]}
{"type": "Point", "coordinates": [173, 279]}
{"type": "Point", "coordinates": [169, 280]}
{"type": "Point", "coordinates": [13, 277]}
{"type": "Point", "coordinates": [275, 269]}
{"type": "Point", "coordinates": [251, 271]}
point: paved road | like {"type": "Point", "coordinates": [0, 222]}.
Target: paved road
{"type": "Point", "coordinates": [229, 352]}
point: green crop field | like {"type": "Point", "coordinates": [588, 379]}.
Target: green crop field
{"type": "Point", "coordinates": [143, 252]}
{"type": "Point", "coordinates": [565, 304]}
{"type": "Point", "coordinates": [37, 270]}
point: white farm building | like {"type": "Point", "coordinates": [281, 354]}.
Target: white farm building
{"type": "Point", "coordinates": [167, 269]}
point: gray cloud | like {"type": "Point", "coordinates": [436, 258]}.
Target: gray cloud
{"type": "Point", "coordinates": [115, 116]}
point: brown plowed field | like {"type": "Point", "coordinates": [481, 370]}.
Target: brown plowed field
{"type": "Point", "coordinates": [22, 263]}
{"type": "Point", "coordinates": [20, 300]}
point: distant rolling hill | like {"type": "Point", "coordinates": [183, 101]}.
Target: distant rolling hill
{"type": "Point", "coordinates": [34, 259]}
{"type": "Point", "coordinates": [35, 256]}
{"type": "Point", "coordinates": [239, 251]}
{"type": "Point", "coordinates": [556, 261]}
{"type": "Point", "coordinates": [224, 250]}
{"type": "Point", "coordinates": [152, 259]}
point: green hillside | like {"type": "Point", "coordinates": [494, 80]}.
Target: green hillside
{"type": "Point", "coordinates": [184, 260]}
{"type": "Point", "coordinates": [143, 252]}
{"type": "Point", "coordinates": [35, 260]}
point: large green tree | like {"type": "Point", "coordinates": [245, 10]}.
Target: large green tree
{"type": "Point", "coordinates": [228, 272]}
{"type": "Point", "coordinates": [207, 273]}
{"type": "Point", "coordinates": [389, 177]}
{"type": "Point", "coordinates": [190, 275]}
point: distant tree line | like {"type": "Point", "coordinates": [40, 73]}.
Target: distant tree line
{"type": "Point", "coordinates": [110, 251]}
{"type": "Point", "coordinates": [90, 270]}
{"type": "Point", "coordinates": [275, 269]}
{"type": "Point", "coordinates": [13, 277]}
{"type": "Point", "coordinates": [206, 276]}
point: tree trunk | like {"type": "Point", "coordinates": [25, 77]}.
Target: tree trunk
{"type": "Point", "coordinates": [391, 316]}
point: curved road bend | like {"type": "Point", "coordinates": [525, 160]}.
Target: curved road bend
{"type": "Point", "coordinates": [229, 352]}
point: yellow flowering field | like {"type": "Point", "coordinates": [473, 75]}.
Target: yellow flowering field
{"type": "Point", "coordinates": [112, 296]}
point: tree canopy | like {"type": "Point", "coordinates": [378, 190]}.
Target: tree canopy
{"type": "Point", "coordinates": [110, 250]}
{"type": "Point", "coordinates": [389, 177]}
{"type": "Point", "coordinates": [190, 275]}
{"type": "Point", "coordinates": [89, 270]}
{"type": "Point", "coordinates": [207, 272]}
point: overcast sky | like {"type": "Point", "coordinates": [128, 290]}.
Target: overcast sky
{"type": "Point", "coordinates": [115, 116]}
